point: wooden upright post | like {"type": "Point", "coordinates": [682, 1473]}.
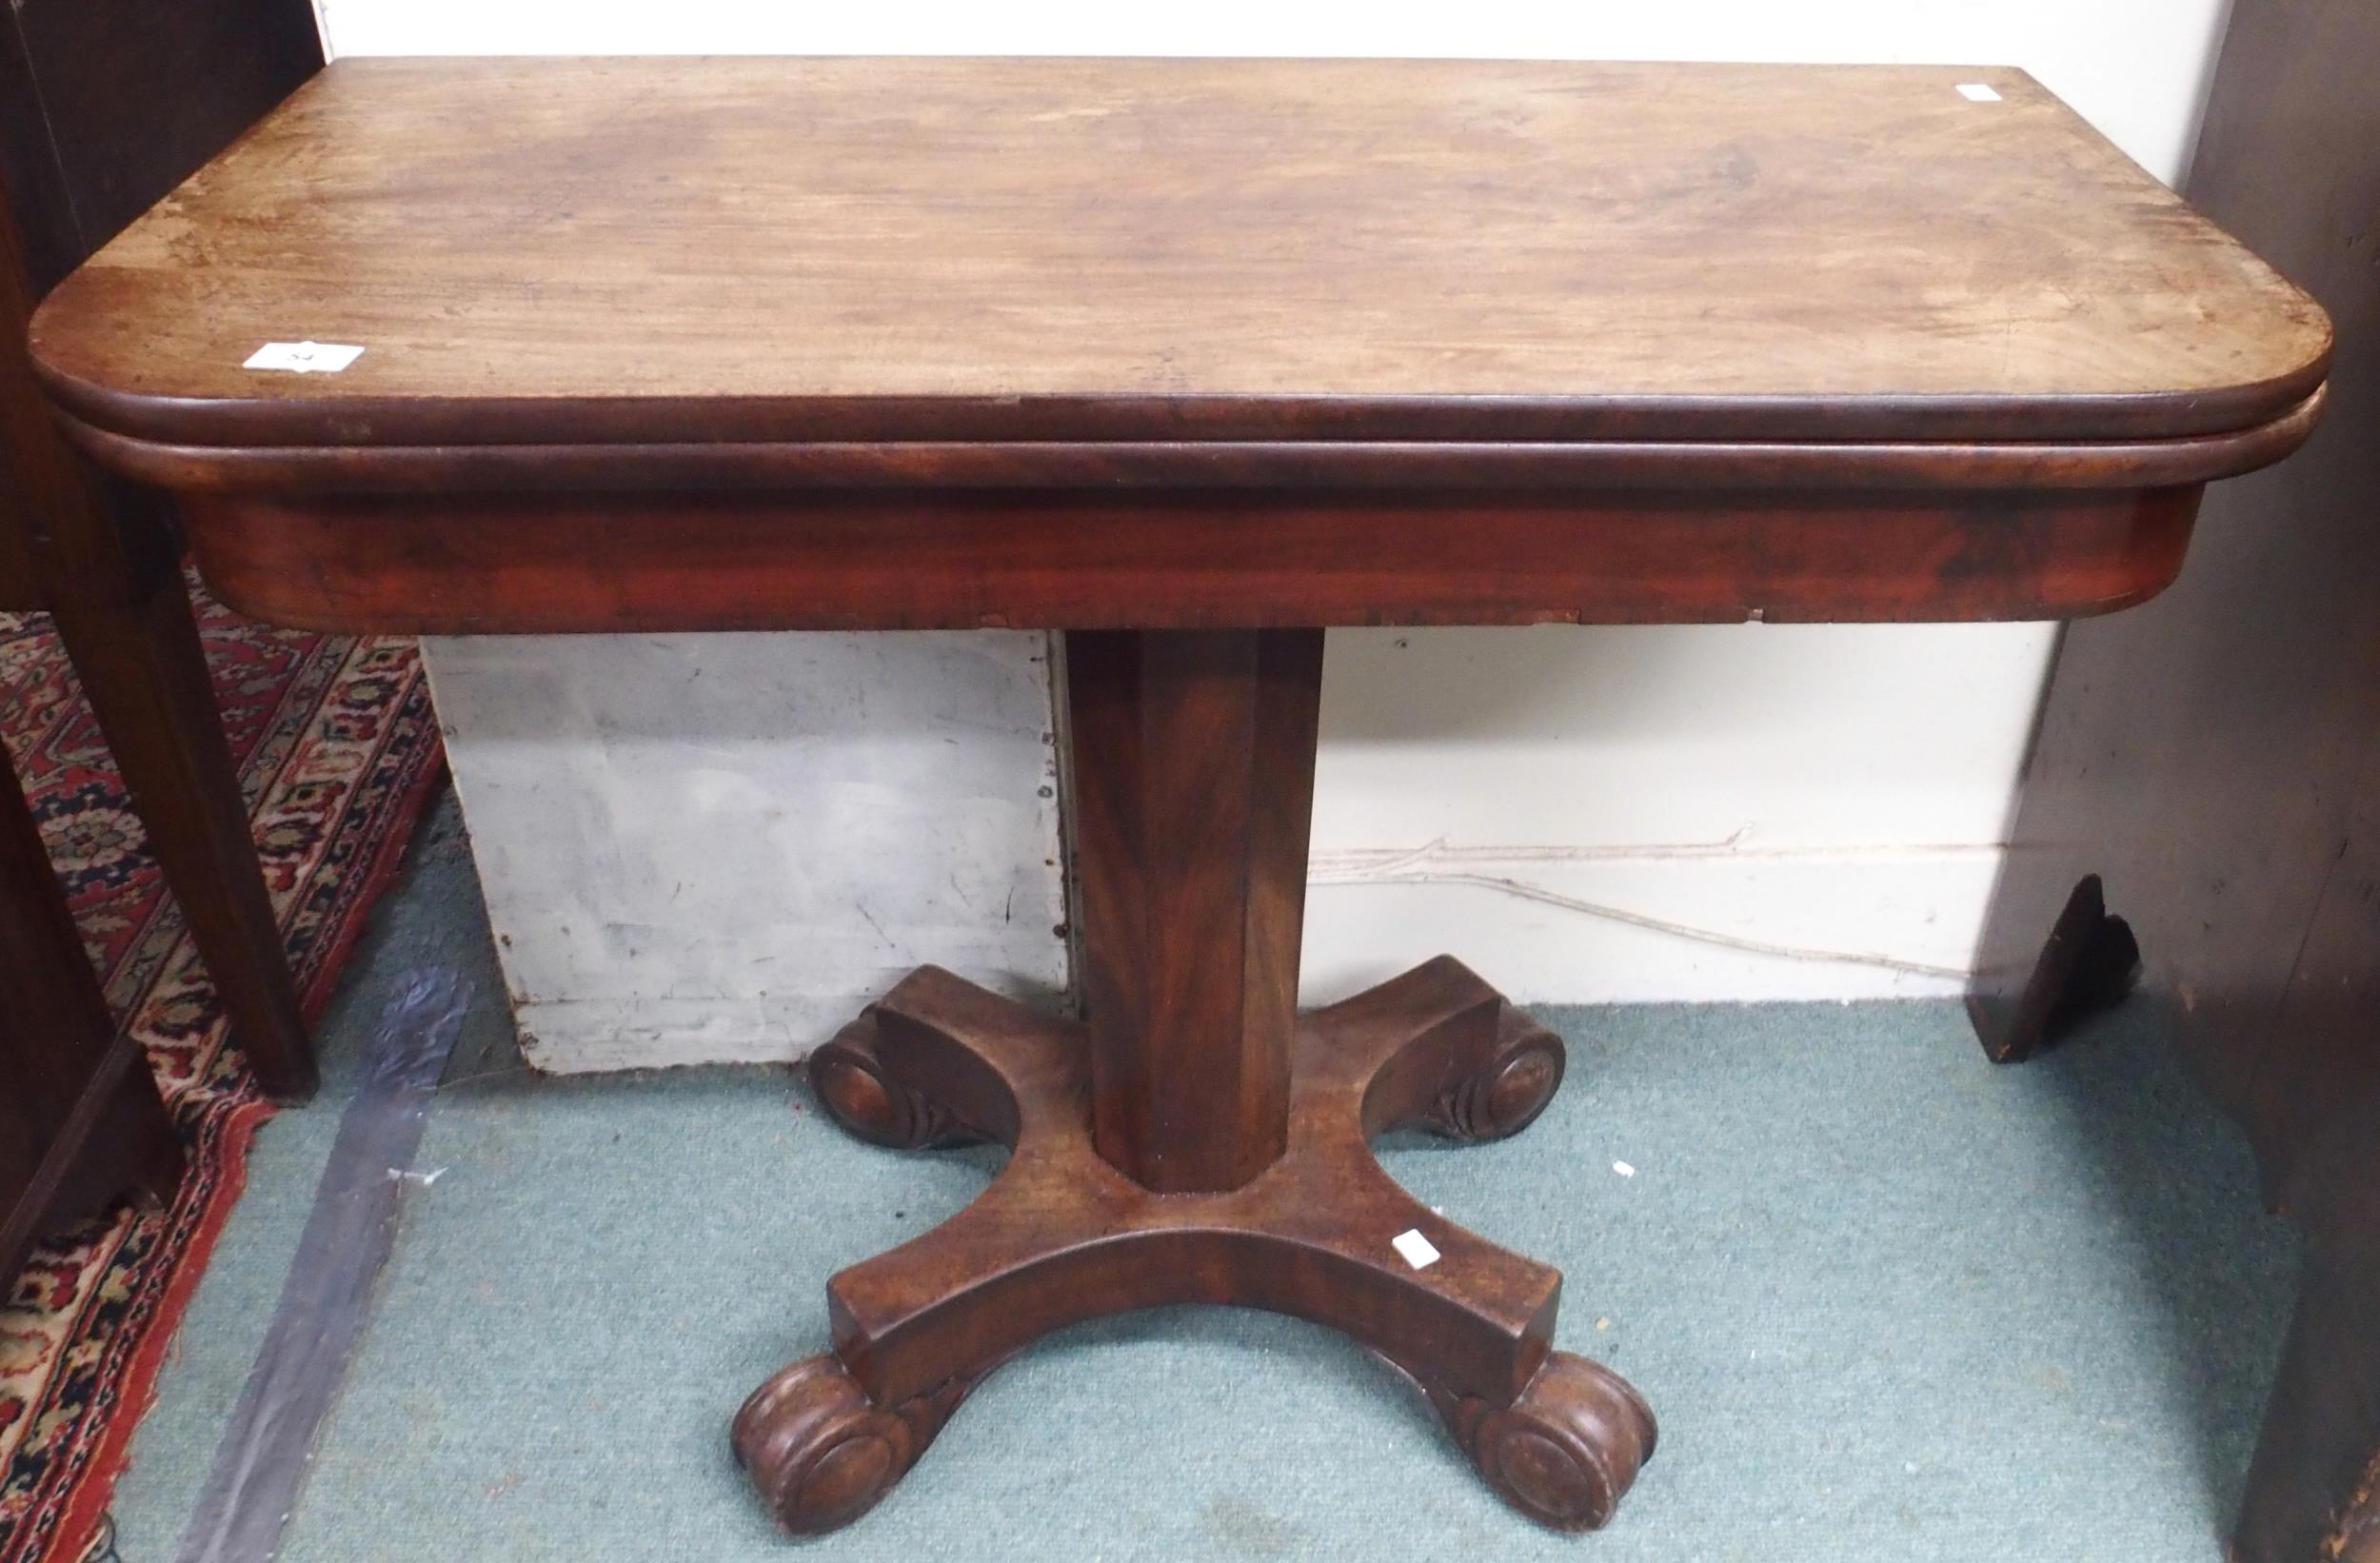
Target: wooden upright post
{"type": "Point", "coordinates": [1192, 795]}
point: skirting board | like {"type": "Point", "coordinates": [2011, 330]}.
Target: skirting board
{"type": "Point", "coordinates": [1576, 934]}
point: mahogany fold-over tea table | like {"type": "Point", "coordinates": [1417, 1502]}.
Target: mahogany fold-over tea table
{"type": "Point", "coordinates": [1187, 360]}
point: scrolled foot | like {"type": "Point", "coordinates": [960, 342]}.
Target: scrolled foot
{"type": "Point", "coordinates": [822, 1452]}
{"type": "Point", "coordinates": [1506, 1096]}
{"type": "Point", "coordinates": [1566, 1449]}
{"type": "Point", "coordinates": [851, 1081]}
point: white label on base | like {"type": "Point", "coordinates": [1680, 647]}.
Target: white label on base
{"type": "Point", "coordinates": [1977, 93]}
{"type": "Point", "coordinates": [1418, 1250]}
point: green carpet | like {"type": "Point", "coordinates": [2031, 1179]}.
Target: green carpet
{"type": "Point", "coordinates": [1889, 1301]}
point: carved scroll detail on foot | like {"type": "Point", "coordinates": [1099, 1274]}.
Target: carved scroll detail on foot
{"type": "Point", "coordinates": [1506, 1096]}
{"type": "Point", "coordinates": [1568, 1447]}
{"type": "Point", "coordinates": [850, 1080]}
{"type": "Point", "coordinates": [822, 1452]}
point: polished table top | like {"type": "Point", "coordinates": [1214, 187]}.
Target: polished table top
{"type": "Point", "coordinates": [779, 343]}
{"type": "Point", "coordinates": [640, 251]}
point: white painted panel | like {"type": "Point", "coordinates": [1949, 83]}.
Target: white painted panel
{"type": "Point", "coordinates": [719, 848]}
{"type": "Point", "coordinates": [1627, 928]}
{"type": "Point", "coordinates": [1832, 790]}
{"type": "Point", "coordinates": [1827, 791]}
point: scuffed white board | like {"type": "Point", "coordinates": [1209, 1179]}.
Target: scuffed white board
{"type": "Point", "coordinates": [717, 848]}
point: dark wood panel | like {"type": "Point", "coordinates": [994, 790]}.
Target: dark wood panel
{"type": "Point", "coordinates": [2317, 1469]}
{"type": "Point", "coordinates": [51, 998]}
{"type": "Point", "coordinates": [2203, 754]}
{"type": "Point", "coordinates": [80, 1119]}
{"type": "Point", "coordinates": [19, 591]}
{"type": "Point", "coordinates": [2211, 756]}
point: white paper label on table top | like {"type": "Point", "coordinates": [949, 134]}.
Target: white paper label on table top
{"type": "Point", "coordinates": [1977, 93]}
{"type": "Point", "coordinates": [1418, 1250]}
{"type": "Point", "coordinates": [304, 357]}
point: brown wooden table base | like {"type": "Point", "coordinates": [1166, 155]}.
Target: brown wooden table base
{"type": "Point", "coordinates": [1195, 1140]}
{"type": "Point", "coordinates": [1062, 1236]}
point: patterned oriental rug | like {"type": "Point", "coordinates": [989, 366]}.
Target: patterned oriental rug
{"type": "Point", "coordinates": [338, 751]}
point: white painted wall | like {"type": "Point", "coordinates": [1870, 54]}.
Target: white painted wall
{"type": "Point", "coordinates": [1585, 814]}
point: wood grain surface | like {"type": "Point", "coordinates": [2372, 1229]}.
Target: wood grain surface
{"type": "Point", "coordinates": [1192, 801]}
{"type": "Point", "coordinates": [442, 564]}
{"type": "Point", "coordinates": [652, 250]}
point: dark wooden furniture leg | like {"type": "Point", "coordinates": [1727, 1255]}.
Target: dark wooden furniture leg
{"type": "Point", "coordinates": [1194, 1140]}
{"type": "Point", "coordinates": [80, 1119]}
{"type": "Point", "coordinates": [129, 628]}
